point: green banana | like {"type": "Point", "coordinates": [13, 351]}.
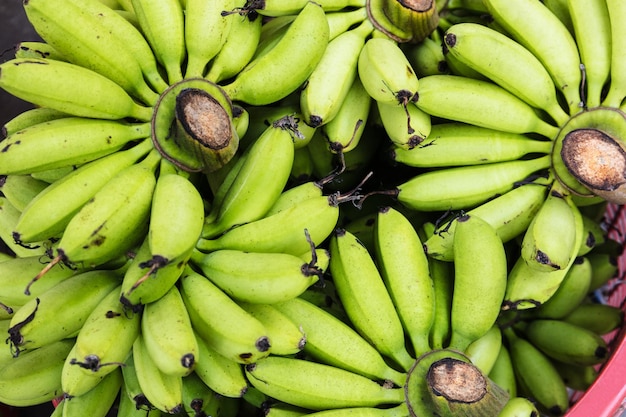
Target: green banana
{"type": "Point", "coordinates": [95, 49]}
{"type": "Point", "coordinates": [163, 391]}
{"type": "Point", "coordinates": [8, 219]}
{"type": "Point", "coordinates": [543, 34]}
{"type": "Point", "coordinates": [407, 126]}
{"type": "Point", "coordinates": [64, 142]}
{"type": "Point", "coordinates": [404, 268]}
{"type": "Point", "coordinates": [566, 342]}
{"type": "Point", "coordinates": [198, 397]}
{"type": "Point", "coordinates": [317, 386]}
{"type": "Point", "coordinates": [507, 63]}
{"type": "Point", "coordinates": [601, 319]}
{"type": "Point", "coordinates": [132, 388]}
{"type": "Point", "coordinates": [342, 20]}
{"type": "Point", "coordinates": [68, 304]}
{"type": "Point", "coordinates": [577, 377]}
{"type": "Point", "coordinates": [206, 31]}
{"type": "Point", "coordinates": [168, 335]}
{"type": "Point", "coordinates": [481, 103]}
{"type": "Point", "coordinates": [386, 72]}
{"type": "Point", "coordinates": [302, 168]}
{"type": "Point", "coordinates": [400, 410]}
{"type": "Point", "coordinates": [502, 372]}
{"type": "Point", "coordinates": [371, 312]}
{"type": "Point", "coordinates": [128, 408]}
{"type": "Point", "coordinates": [280, 409]}
{"type": "Point", "coordinates": [288, 338]}
{"type": "Point", "coordinates": [98, 401]}
{"type": "Point", "coordinates": [54, 174]}
{"type": "Point", "coordinates": [594, 235]}
{"type": "Point", "coordinates": [280, 71]}
{"type": "Point", "coordinates": [442, 274]}
{"type": "Point", "coordinates": [163, 25]}
{"type": "Point", "coordinates": [296, 194]}
{"type": "Point", "coordinates": [466, 186]}
{"type": "Point", "coordinates": [426, 57]}
{"type": "Point", "coordinates": [258, 277]}
{"type": "Point", "coordinates": [560, 9]}
{"type": "Point", "coordinates": [48, 214]}
{"type": "Point", "coordinates": [6, 356]}
{"type": "Point", "coordinates": [76, 381]}
{"type": "Point", "coordinates": [34, 377]}
{"type": "Point", "coordinates": [249, 344]}
{"type": "Point", "coordinates": [480, 276]}
{"type": "Point", "coordinates": [330, 81]}
{"type": "Point", "coordinates": [274, 8]}
{"type": "Point", "coordinates": [484, 351]}
{"type": "Point", "coordinates": [257, 183]}
{"type": "Point", "coordinates": [604, 267]}
{"type": "Point", "coordinates": [335, 343]}
{"type": "Point", "coordinates": [221, 374]}
{"type": "Point", "coordinates": [70, 89]}
{"type": "Point", "coordinates": [519, 407]}
{"type": "Point", "coordinates": [617, 84]}
{"type": "Point", "coordinates": [37, 49]}
{"type": "Point", "coordinates": [21, 189]}
{"type": "Point", "coordinates": [30, 118]}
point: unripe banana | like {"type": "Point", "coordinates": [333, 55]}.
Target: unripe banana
{"type": "Point", "coordinates": [617, 83]}
{"type": "Point", "coordinates": [198, 397]}
{"type": "Point", "coordinates": [34, 377]}
{"type": "Point", "coordinates": [426, 57]}
{"type": "Point", "coordinates": [502, 372]}
{"type": "Point", "coordinates": [76, 381]}
{"type": "Point", "coordinates": [480, 275]}
{"type": "Point", "coordinates": [519, 407]}
{"type": "Point", "coordinates": [302, 168]}
{"type": "Point", "coordinates": [21, 189]}
{"type": "Point", "coordinates": [467, 186]}
{"type": "Point", "coordinates": [335, 343]}
{"type": "Point", "coordinates": [566, 342]}
{"type": "Point", "coordinates": [396, 411]}
{"type": "Point", "coordinates": [275, 8]}
{"type": "Point", "coordinates": [594, 234]}
{"type": "Point", "coordinates": [164, 391]}
{"type": "Point", "coordinates": [30, 118]}
{"type": "Point", "coordinates": [507, 63]}
{"type": "Point", "coordinates": [168, 335]}
{"type": "Point", "coordinates": [37, 49]}
{"type": "Point", "coordinates": [442, 274]}
{"type": "Point", "coordinates": [54, 174]}
{"type": "Point", "coordinates": [70, 89]}
{"type": "Point", "coordinates": [328, 84]}
{"type": "Point", "coordinates": [249, 344]}
{"type": "Point", "coordinates": [317, 386]}
{"type": "Point", "coordinates": [342, 20]}
{"type": "Point", "coordinates": [8, 220]}
{"type": "Point", "coordinates": [163, 25]}
{"type": "Point", "coordinates": [64, 142]}
{"type": "Point", "coordinates": [294, 195]}
{"type": "Point", "coordinates": [404, 268]}
{"type": "Point", "coordinates": [206, 30]}
{"type": "Point", "coordinates": [67, 304]}
{"type": "Point", "coordinates": [128, 408]}
{"type": "Point", "coordinates": [287, 65]}
{"type": "Point", "coordinates": [131, 386]}
{"type": "Point", "coordinates": [258, 277]}
{"type": "Point", "coordinates": [481, 103]}
{"type": "Point", "coordinates": [48, 214]}
{"type": "Point", "coordinates": [604, 267]}
{"type": "Point", "coordinates": [577, 377]}
{"type": "Point", "coordinates": [84, 34]}
{"type": "Point", "coordinates": [372, 312]}
{"type": "Point", "coordinates": [281, 409]}
{"type": "Point", "coordinates": [98, 401]}
{"type": "Point", "coordinates": [601, 319]}
{"type": "Point", "coordinates": [484, 351]}
{"type": "Point", "coordinates": [386, 72]}
{"type": "Point", "coordinates": [543, 34]}
{"type": "Point", "coordinates": [407, 126]}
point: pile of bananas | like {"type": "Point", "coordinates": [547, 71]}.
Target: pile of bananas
{"type": "Point", "coordinates": [285, 207]}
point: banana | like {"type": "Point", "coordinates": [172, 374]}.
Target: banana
{"type": "Point", "coordinates": [550, 242]}
{"type": "Point", "coordinates": [163, 25]}
{"type": "Point", "coordinates": [54, 174]}
{"type": "Point", "coordinates": [617, 84]}
{"type": "Point", "coordinates": [76, 381]}
{"type": "Point", "coordinates": [64, 142]}
{"type": "Point", "coordinates": [543, 34]}
{"type": "Point", "coordinates": [601, 319]}
{"type": "Point", "coordinates": [176, 217]}
{"type": "Point", "coordinates": [6, 356]}
{"type": "Point", "coordinates": [502, 372]}
{"type": "Point", "coordinates": [280, 71]}
{"type": "Point", "coordinates": [576, 377]}
{"type": "Point", "coordinates": [394, 411]}
{"type": "Point", "coordinates": [426, 57]}
{"type": "Point", "coordinates": [128, 408]}
{"type": "Point", "coordinates": [335, 343]}
{"type": "Point", "coordinates": [467, 186]}
{"type": "Point", "coordinates": [274, 8]}
{"type": "Point", "coordinates": [604, 267]}
{"type": "Point", "coordinates": [509, 213]}
{"type": "Point", "coordinates": [302, 168]}
{"type": "Point", "coordinates": [404, 268]}
{"type": "Point", "coordinates": [257, 182]}
{"type": "Point", "coordinates": [519, 407]}
{"type": "Point", "coordinates": [407, 126]}
{"type": "Point", "coordinates": [330, 81]}
{"type": "Point", "coordinates": [317, 215]}
{"type": "Point", "coordinates": [288, 338]}
{"type": "Point", "coordinates": [317, 386]}
{"type": "Point", "coordinates": [49, 212]}
{"type": "Point", "coordinates": [263, 116]}
{"type": "Point", "coordinates": [372, 312]}
{"type": "Point", "coordinates": [132, 388]}
{"type": "Point", "coordinates": [480, 275]}
{"type": "Point", "coordinates": [566, 342]}
{"type": "Point", "coordinates": [30, 118]}
{"type": "Point", "coordinates": [70, 89]}
{"type": "Point", "coordinates": [344, 132]}
{"type": "Point", "coordinates": [480, 103]}
{"type": "Point", "coordinates": [507, 63]}
{"type": "Point", "coordinates": [442, 274]}
{"type": "Point", "coordinates": [592, 31]}
{"type": "Point", "coordinates": [198, 398]}
{"type": "Point", "coordinates": [9, 216]}
{"type": "Point", "coordinates": [206, 30]}
{"type": "Point", "coordinates": [113, 221]}
{"type": "Point", "coordinates": [536, 374]}
{"type": "Point", "coordinates": [168, 335]}
{"type": "Point", "coordinates": [280, 409]}
{"type": "Point", "coordinates": [98, 401]}
{"type": "Point", "coordinates": [37, 49]}
{"type": "Point", "coordinates": [67, 304]}
{"type": "Point", "coordinates": [21, 189]}
{"type": "Point", "coordinates": [571, 292]}
{"type": "Point", "coordinates": [163, 391]}
{"type": "Point", "coordinates": [258, 277]}
{"type": "Point", "coordinates": [386, 72]}
{"type": "Point", "coordinates": [594, 234]}
{"type": "Point", "coordinates": [249, 344]}
{"type": "Point", "coordinates": [84, 39]}
{"type": "Point", "coordinates": [342, 20]}
{"type": "Point", "coordinates": [222, 375]}
{"type": "Point", "coordinates": [106, 338]}
{"type": "Point", "coordinates": [238, 48]}
{"type": "Point", "coordinates": [560, 8]}
{"type": "Point", "coordinates": [34, 377]}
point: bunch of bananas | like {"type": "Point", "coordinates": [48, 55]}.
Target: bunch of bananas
{"type": "Point", "coordinates": [205, 263]}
